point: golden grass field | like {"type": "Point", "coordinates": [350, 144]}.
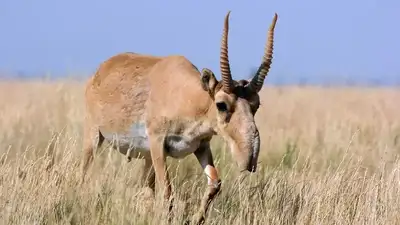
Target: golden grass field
{"type": "Point", "coordinates": [329, 156]}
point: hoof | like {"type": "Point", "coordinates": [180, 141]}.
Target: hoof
{"type": "Point", "coordinates": [198, 219]}
{"type": "Point", "coordinates": [148, 193]}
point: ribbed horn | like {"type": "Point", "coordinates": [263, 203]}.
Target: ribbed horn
{"type": "Point", "coordinates": [227, 83]}
{"type": "Point", "coordinates": [258, 80]}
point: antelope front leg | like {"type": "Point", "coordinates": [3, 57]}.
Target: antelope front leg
{"type": "Point", "coordinates": [158, 158]}
{"type": "Point", "coordinates": [204, 156]}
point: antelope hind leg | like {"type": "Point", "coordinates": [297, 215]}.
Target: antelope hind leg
{"type": "Point", "coordinates": [148, 178]}
{"type": "Point", "coordinates": [92, 140]}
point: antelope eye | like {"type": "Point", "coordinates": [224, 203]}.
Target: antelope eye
{"type": "Point", "coordinates": [222, 107]}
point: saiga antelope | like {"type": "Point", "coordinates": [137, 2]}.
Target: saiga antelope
{"type": "Point", "coordinates": [152, 107]}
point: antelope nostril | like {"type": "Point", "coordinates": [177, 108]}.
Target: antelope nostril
{"type": "Point", "coordinates": [252, 167]}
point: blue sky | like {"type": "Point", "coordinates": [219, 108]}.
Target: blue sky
{"type": "Point", "coordinates": [313, 39]}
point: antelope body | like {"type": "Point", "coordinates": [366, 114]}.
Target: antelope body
{"type": "Point", "coordinates": [153, 107]}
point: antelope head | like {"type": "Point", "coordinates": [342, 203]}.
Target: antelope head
{"type": "Point", "coordinates": [235, 103]}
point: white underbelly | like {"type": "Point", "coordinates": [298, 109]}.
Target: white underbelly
{"type": "Point", "coordinates": [179, 146]}
{"type": "Point", "coordinates": [136, 142]}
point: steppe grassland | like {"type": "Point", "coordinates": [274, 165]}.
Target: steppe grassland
{"type": "Point", "coordinates": [329, 156]}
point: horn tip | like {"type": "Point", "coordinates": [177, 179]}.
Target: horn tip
{"type": "Point", "coordinates": [272, 26]}
{"type": "Point", "coordinates": [227, 14]}
{"type": "Point", "coordinates": [275, 16]}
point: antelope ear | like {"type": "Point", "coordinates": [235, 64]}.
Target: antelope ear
{"type": "Point", "coordinates": [208, 81]}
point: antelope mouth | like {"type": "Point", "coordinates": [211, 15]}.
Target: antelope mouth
{"type": "Point", "coordinates": [252, 167]}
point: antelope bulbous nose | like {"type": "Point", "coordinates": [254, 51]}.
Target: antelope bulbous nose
{"type": "Point", "coordinates": [252, 166]}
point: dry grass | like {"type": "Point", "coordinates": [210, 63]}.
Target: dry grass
{"type": "Point", "coordinates": [329, 156]}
